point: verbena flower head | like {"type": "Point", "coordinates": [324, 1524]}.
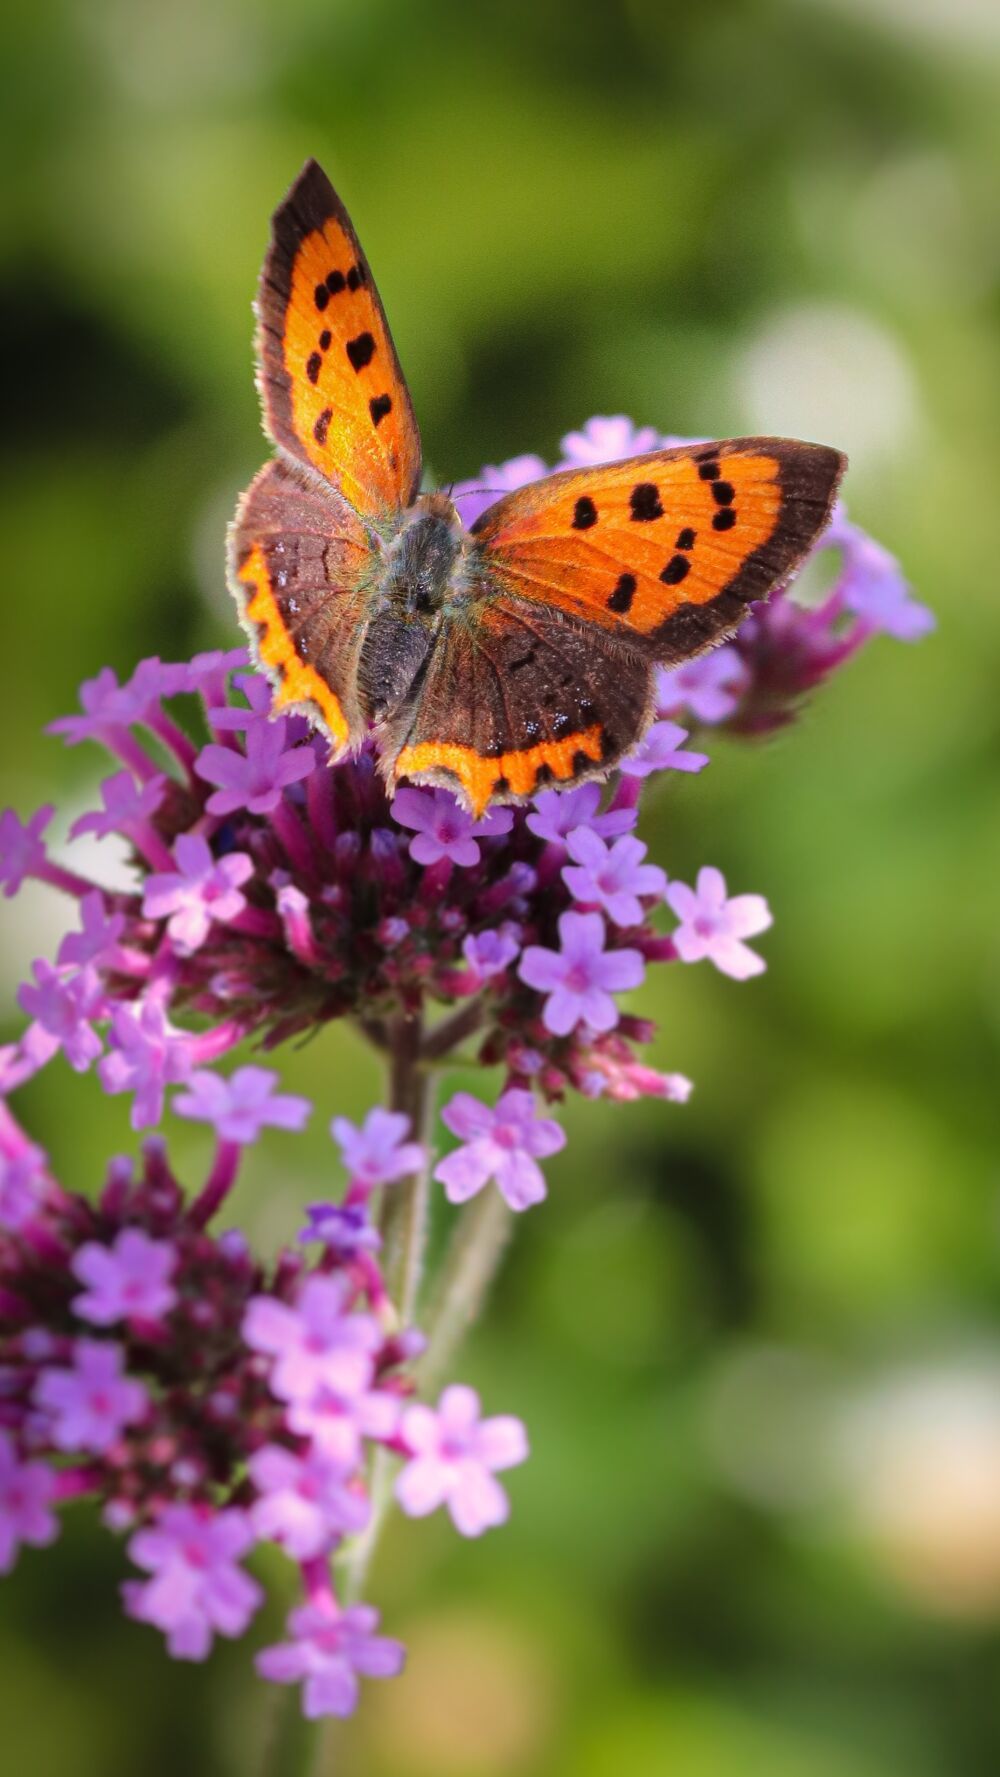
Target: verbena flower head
{"type": "Point", "coordinates": [210, 1400]}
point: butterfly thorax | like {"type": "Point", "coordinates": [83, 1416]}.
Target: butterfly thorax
{"type": "Point", "coordinates": [422, 571]}
{"type": "Point", "coordinates": [421, 557]}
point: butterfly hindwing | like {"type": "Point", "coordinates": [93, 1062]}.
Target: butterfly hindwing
{"type": "Point", "coordinates": [333, 394]}
{"type": "Point", "coordinates": [519, 698]}
{"type": "Point", "coordinates": [664, 551]}
{"type": "Point", "coordinates": [300, 562]}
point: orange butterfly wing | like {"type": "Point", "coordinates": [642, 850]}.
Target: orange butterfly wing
{"type": "Point", "coordinates": [663, 551]}
{"type": "Point", "coordinates": [333, 394]}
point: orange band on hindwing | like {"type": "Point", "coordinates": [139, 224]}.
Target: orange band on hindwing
{"type": "Point", "coordinates": [299, 683]}
{"type": "Point", "coordinates": [516, 773]}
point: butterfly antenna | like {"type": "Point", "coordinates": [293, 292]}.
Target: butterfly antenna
{"type": "Point", "coordinates": [467, 491]}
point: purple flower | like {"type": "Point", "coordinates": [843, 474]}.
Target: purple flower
{"type": "Point", "coordinates": [23, 1181]}
{"type": "Point", "coordinates": [197, 1590]}
{"type": "Point", "coordinates": [318, 1343]}
{"type": "Point", "coordinates": [453, 1457]}
{"type": "Point", "coordinates": [473, 497]}
{"type": "Point", "coordinates": [327, 1653]}
{"type": "Point", "coordinates": [202, 889]}
{"type": "Point", "coordinates": [99, 934]}
{"type": "Point", "coordinates": [336, 1422]}
{"type": "Point", "coordinates": [128, 1280]}
{"type": "Point", "coordinates": [107, 705]}
{"type": "Point", "coordinates": [872, 585]}
{"type": "Point", "coordinates": [713, 926]}
{"type": "Point", "coordinates": [240, 1107]}
{"type": "Point", "coordinates": [62, 1007]}
{"type": "Point", "coordinates": [344, 1228]}
{"type": "Point", "coordinates": [607, 441]}
{"type": "Point", "coordinates": [557, 812]}
{"type": "Point", "coordinates": [659, 750]}
{"type": "Point", "coordinates": [259, 697]}
{"type": "Point", "coordinates": [710, 686]}
{"type": "Point", "coordinates": [146, 1056]}
{"type": "Point", "coordinates": [254, 780]}
{"type": "Point", "coordinates": [378, 1152]}
{"type": "Point", "coordinates": [126, 805]}
{"type": "Point", "coordinates": [489, 953]}
{"type": "Point", "coordinates": [208, 671]}
{"type": "Point", "coordinates": [22, 848]}
{"type": "Point", "coordinates": [90, 1404]}
{"type": "Point", "coordinates": [581, 976]}
{"type": "Point", "coordinates": [614, 877]}
{"type": "Point", "coordinates": [503, 1144]}
{"type": "Point", "coordinates": [26, 1492]}
{"type": "Point", "coordinates": [443, 828]}
{"type": "Point", "coordinates": [305, 1503]}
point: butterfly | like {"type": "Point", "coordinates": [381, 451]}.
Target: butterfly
{"type": "Point", "coordinates": [517, 653]}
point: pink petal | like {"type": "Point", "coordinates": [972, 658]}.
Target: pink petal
{"type": "Point", "coordinates": [422, 1486]}
{"type": "Point", "coordinates": [477, 1502]}
{"type": "Point", "coordinates": [502, 1442]}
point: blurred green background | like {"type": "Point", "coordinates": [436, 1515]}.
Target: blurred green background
{"type": "Point", "coordinates": [755, 1339]}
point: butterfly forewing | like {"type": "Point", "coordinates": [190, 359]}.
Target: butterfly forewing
{"type": "Point", "coordinates": [333, 393]}
{"type": "Point", "coordinates": [664, 551]}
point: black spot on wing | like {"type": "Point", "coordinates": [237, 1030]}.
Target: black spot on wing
{"type": "Point", "coordinates": [644, 502]}
{"type": "Point", "coordinates": [685, 538]}
{"type": "Point", "coordinates": [335, 283]}
{"type": "Point", "coordinates": [709, 471]}
{"type": "Point", "coordinates": [325, 340]}
{"type": "Point", "coordinates": [584, 513]}
{"type": "Point", "coordinates": [378, 407]}
{"type": "Point", "coordinates": [676, 570]}
{"type": "Point", "coordinates": [322, 425]}
{"type": "Point", "coordinates": [724, 520]}
{"type": "Point", "coordinates": [314, 364]}
{"type": "Point", "coordinates": [321, 297]}
{"type": "Point", "coordinates": [723, 493]}
{"type": "Point", "coordinates": [360, 351]}
{"type": "Point", "coordinates": [624, 593]}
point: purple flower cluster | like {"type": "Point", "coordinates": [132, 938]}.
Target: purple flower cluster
{"type": "Point", "coordinates": [211, 1403]}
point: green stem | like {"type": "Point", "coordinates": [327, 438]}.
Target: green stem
{"type": "Point", "coordinates": [405, 1204]}
{"type": "Point", "coordinates": [404, 1236]}
{"type": "Point", "coordinates": [470, 1264]}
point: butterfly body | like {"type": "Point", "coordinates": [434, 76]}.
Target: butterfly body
{"type": "Point", "coordinates": [422, 578]}
{"type": "Point", "coordinates": [519, 652]}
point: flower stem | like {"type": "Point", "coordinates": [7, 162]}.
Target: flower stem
{"type": "Point", "coordinates": [403, 1220]}
{"type": "Point", "coordinates": [220, 1182]}
{"type": "Point", "coordinates": [470, 1264]}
